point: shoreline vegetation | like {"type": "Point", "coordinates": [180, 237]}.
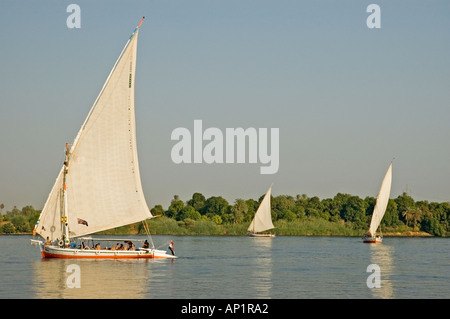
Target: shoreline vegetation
{"type": "Point", "coordinates": [342, 215]}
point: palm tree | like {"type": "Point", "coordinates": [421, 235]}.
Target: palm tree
{"type": "Point", "coordinates": [415, 214]}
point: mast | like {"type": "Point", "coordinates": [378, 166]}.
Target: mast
{"type": "Point", "coordinates": [64, 208]}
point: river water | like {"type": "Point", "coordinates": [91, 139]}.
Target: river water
{"type": "Point", "coordinates": [211, 267]}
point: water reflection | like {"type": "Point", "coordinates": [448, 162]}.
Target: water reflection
{"type": "Point", "coordinates": [238, 267]}
{"type": "Point", "coordinates": [381, 255]}
{"type": "Point", "coordinates": [98, 278]}
{"type": "Point", "coordinates": [262, 266]}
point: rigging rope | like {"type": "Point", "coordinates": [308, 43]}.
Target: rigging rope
{"type": "Point", "coordinates": [147, 230]}
{"type": "Point", "coordinates": [144, 223]}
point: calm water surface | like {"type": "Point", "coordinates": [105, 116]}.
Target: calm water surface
{"type": "Point", "coordinates": [238, 267]}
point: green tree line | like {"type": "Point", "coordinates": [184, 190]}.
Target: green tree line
{"type": "Point", "coordinates": [18, 221]}
{"type": "Point", "coordinates": [344, 214]}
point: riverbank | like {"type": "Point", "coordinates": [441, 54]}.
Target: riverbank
{"type": "Point", "coordinates": [407, 234]}
{"type": "Point", "coordinates": [342, 215]}
{"type": "Point", "coordinates": [305, 227]}
{"type": "Point", "coordinates": [388, 234]}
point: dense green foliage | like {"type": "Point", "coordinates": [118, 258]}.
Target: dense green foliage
{"type": "Point", "coordinates": [342, 215]}
{"type": "Point", "coordinates": [18, 221]}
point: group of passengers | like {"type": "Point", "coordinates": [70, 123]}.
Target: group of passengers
{"type": "Point", "coordinates": [124, 247]}
{"type": "Point", "coordinates": [128, 246]}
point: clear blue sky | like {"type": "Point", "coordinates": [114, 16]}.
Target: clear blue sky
{"type": "Point", "coordinates": [346, 99]}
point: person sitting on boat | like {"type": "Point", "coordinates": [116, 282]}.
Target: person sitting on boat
{"type": "Point", "coordinates": [145, 244]}
{"type": "Point", "coordinates": [48, 242]}
{"type": "Point", "coordinates": [118, 246]}
{"type": "Point", "coordinates": [98, 247]}
{"type": "Point", "coordinates": [130, 244]}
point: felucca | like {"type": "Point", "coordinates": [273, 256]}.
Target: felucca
{"type": "Point", "coordinates": [99, 185]}
{"type": "Point", "coordinates": [262, 220]}
{"type": "Point", "coordinates": [379, 209]}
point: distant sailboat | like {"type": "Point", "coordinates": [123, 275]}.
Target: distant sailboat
{"type": "Point", "coordinates": [262, 220]}
{"type": "Point", "coordinates": [99, 185]}
{"type": "Point", "coordinates": [379, 209]}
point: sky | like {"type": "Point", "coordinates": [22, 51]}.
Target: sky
{"type": "Point", "coordinates": [347, 99]}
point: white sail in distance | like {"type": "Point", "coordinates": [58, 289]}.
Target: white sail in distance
{"type": "Point", "coordinates": [382, 201]}
{"type": "Point", "coordinates": [263, 216]}
{"type": "Point", "coordinates": [103, 182]}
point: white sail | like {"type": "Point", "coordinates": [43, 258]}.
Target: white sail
{"type": "Point", "coordinates": [263, 216]}
{"type": "Point", "coordinates": [382, 201]}
{"type": "Point", "coordinates": [103, 182]}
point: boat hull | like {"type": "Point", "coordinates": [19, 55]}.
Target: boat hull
{"type": "Point", "coordinates": [254, 235]}
{"type": "Point", "coordinates": [372, 240]}
{"type": "Point", "coordinates": [71, 253]}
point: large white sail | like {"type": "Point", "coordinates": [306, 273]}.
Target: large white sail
{"type": "Point", "coordinates": [382, 201]}
{"type": "Point", "coordinates": [263, 216]}
{"type": "Point", "coordinates": [103, 182]}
